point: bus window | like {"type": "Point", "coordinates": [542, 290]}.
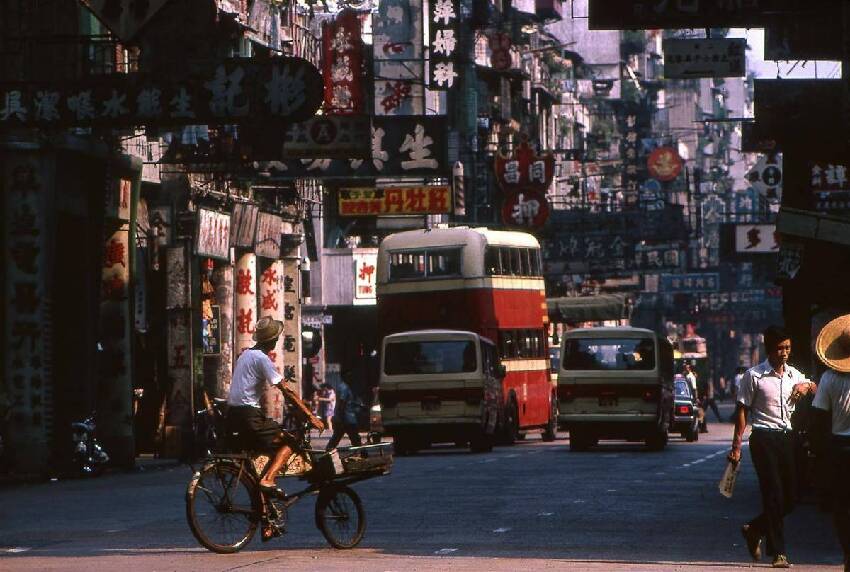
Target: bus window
{"type": "Point", "coordinates": [508, 344]}
{"type": "Point", "coordinates": [450, 356]}
{"type": "Point", "coordinates": [407, 265]}
{"type": "Point", "coordinates": [526, 262]}
{"type": "Point", "coordinates": [516, 262]}
{"type": "Point", "coordinates": [534, 257]}
{"type": "Point", "coordinates": [492, 263]}
{"type": "Point", "coordinates": [592, 354]}
{"type": "Point", "coordinates": [444, 262]}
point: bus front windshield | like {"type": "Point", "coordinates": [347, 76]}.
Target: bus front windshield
{"type": "Point", "coordinates": [600, 354]}
{"type": "Point", "coordinates": [424, 357]}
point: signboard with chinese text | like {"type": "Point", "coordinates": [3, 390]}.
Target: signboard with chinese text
{"type": "Point", "coordinates": [395, 201]}
{"type": "Point", "coordinates": [664, 164]}
{"type": "Point", "coordinates": [524, 169]}
{"type": "Point", "coordinates": [528, 209]}
{"type": "Point", "coordinates": [756, 238]}
{"type": "Point", "coordinates": [399, 66]}
{"type": "Point", "coordinates": [693, 283]}
{"type": "Point", "coordinates": [829, 186]}
{"type": "Point", "coordinates": [401, 147]}
{"type": "Point", "coordinates": [118, 203]}
{"type": "Point", "coordinates": [714, 57]}
{"type": "Point", "coordinates": [655, 14]}
{"type": "Point", "coordinates": [328, 136]}
{"type": "Point", "coordinates": [267, 241]}
{"type": "Point", "coordinates": [342, 60]}
{"type": "Point", "coordinates": [365, 277]}
{"type": "Point", "coordinates": [634, 122]}
{"type": "Point", "coordinates": [243, 225]}
{"type": "Point", "coordinates": [230, 91]}
{"type": "Point", "coordinates": [213, 236]}
{"type": "Point", "coordinates": [443, 18]}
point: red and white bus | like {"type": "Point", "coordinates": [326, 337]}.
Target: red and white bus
{"type": "Point", "coordinates": [483, 281]}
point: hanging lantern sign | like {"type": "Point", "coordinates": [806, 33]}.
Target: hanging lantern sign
{"type": "Point", "coordinates": [342, 62]}
{"type": "Point", "coordinates": [525, 170]}
{"type": "Point", "coordinates": [664, 164]}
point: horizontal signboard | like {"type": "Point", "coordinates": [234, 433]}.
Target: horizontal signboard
{"type": "Point", "coordinates": [330, 136]}
{"type": "Point", "coordinates": [756, 238]}
{"type": "Point", "coordinates": [693, 283]}
{"type": "Point", "coordinates": [231, 91]}
{"type": "Point", "coordinates": [395, 201]}
{"type": "Point", "coordinates": [656, 14]}
{"type": "Point", "coordinates": [694, 58]}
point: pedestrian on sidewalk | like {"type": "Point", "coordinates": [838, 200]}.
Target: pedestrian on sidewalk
{"type": "Point", "coordinates": [327, 405]}
{"type": "Point", "coordinates": [345, 414]}
{"type": "Point", "coordinates": [708, 400]}
{"type": "Point", "coordinates": [768, 393]}
{"type": "Point", "coordinates": [831, 412]}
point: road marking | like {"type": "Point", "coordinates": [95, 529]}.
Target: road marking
{"type": "Point", "coordinates": [489, 461]}
{"type": "Point", "coordinates": [501, 530]}
{"type": "Point", "coordinates": [513, 456]}
{"type": "Point", "coordinates": [611, 491]}
{"type": "Point", "coordinates": [545, 513]}
{"type": "Point", "coordinates": [114, 530]}
{"type": "Point", "coordinates": [579, 501]}
{"type": "Point", "coordinates": [444, 551]}
{"type": "Point", "coordinates": [19, 549]}
{"type": "Point", "coordinates": [706, 458]}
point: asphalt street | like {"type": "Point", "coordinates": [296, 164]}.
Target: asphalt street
{"type": "Point", "coordinates": [531, 506]}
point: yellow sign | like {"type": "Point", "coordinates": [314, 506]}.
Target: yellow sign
{"type": "Point", "coordinates": [395, 201]}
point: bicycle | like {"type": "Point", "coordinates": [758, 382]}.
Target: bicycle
{"type": "Point", "coordinates": [224, 503]}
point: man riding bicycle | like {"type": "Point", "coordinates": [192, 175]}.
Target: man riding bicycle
{"type": "Point", "coordinates": [253, 370]}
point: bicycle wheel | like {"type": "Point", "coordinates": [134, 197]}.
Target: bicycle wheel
{"type": "Point", "coordinates": [223, 507]}
{"type": "Point", "coordinates": [340, 516]}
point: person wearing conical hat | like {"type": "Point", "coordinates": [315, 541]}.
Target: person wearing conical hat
{"type": "Point", "coordinates": [254, 369]}
{"type": "Point", "coordinates": [832, 403]}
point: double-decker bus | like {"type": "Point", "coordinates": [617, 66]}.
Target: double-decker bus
{"type": "Point", "coordinates": [477, 280]}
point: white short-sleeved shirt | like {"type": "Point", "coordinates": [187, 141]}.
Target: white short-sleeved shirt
{"type": "Point", "coordinates": [767, 395]}
{"type": "Point", "coordinates": [253, 370]}
{"type": "Point", "coordinates": [833, 395]}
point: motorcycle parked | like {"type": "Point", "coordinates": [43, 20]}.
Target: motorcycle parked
{"type": "Point", "coordinates": [88, 457]}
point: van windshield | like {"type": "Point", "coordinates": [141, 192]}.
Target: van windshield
{"type": "Point", "coordinates": [592, 354]}
{"type": "Point", "coordinates": [407, 358]}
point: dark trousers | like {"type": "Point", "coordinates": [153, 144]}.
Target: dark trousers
{"type": "Point", "coordinates": [341, 428]}
{"type": "Point", "coordinates": [710, 402]}
{"type": "Point", "coordinates": [840, 456]}
{"type": "Point", "coordinates": [773, 458]}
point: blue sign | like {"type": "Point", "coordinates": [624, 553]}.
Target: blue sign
{"type": "Point", "coordinates": [694, 283]}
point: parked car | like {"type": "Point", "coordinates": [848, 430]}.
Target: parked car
{"type": "Point", "coordinates": [685, 418]}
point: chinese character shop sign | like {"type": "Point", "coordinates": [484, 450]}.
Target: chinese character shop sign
{"type": "Point", "coordinates": [829, 186]}
{"type": "Point", "coordinates": [395, 201]}
{"type": "Point", "coordinates": [398, 58]}
{"type": "Point", "coordinates": [715, 57]}
{"type": "Point", "coordinates": [664, 164]}
{"type": "Point", "coordinates": [230, 91]}
{"type": "Point", "coordinates": [365, 277]}
{"type": "Point", "coordinates": [525, 176]}
{"type": "Point", "coordinates": [342, 64]}
{"type": "Point", "coordinates": [442, 20]}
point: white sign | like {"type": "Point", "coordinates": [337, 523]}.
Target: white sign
{"type": "Point", "coordinates": [716, 57]}
{"type": "Point", "coordinates": [213, 234]}
{"type": "Point", "coordinates": [756, 238]}
{"type": "Point", "coordinates": [365, 266]}
{"type": "Point", "coordinates": [766, 177]}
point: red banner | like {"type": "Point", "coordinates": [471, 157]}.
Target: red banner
{"type": "Point", "coordinates": [525, 170]}
{"type": "Point", "coordinates": [342, 62]}
{"type": "Point", "coordinates": [664, 164]}
{"type": "Point", "coordinates": [527, 209]}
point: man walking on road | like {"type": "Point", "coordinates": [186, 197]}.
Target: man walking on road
{"type": "Point", "coordinates": [832, 407]}
{"type": "Point", "coordinates": [345, 415]}
{"type": "Point", "coordinates": [768, 393]}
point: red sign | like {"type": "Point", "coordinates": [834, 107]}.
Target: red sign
{"type": "Point", "coordinates": [664, 164]}
{"type": "Point", "coordinates": [525, 171]}
{"type": "Point", "coordinates": [528, 209]}
{"type": "Point", "coordinates": [342, 64]}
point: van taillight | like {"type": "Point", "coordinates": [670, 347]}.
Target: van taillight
{"type": "Point", "coordinates": [683, 410]}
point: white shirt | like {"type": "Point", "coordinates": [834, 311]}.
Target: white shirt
{"type": "Point", "coordinates": [767, 395]}
{"type": "Point", "coordinates": [834, 395]}
{"type": "Point", "coordinates": [253, 369]}
{"type": "Point", "coordinates": [692, 380]}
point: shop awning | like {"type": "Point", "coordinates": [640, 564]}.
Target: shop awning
{"type": "Point", "coordinates": [588, 308]}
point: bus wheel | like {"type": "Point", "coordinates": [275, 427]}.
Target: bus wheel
{"type": "Point", "coordinates": [550, 433]}
{"type": "Point", "coordinates": [510, 425]}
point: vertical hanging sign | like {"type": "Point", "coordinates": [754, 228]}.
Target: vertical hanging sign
{"type": "Point", "coordinates": [398, 58]}
{"type": "Point", "coordinates": [442, 22]}
{"type": "Point", "coordinates": [342, 59]}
